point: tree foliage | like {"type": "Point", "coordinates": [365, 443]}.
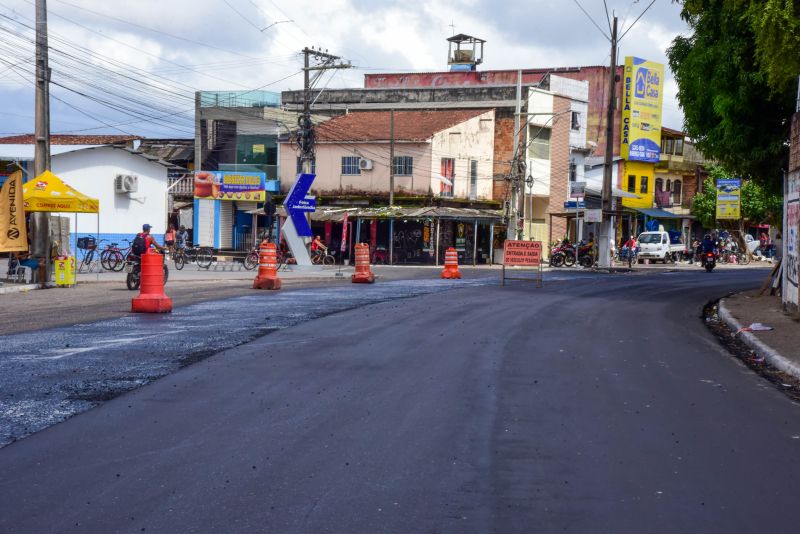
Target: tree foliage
{"type": "Point", "coordinates": [759, 205]}
{"type": "Point", "coordinates": [737, 77]}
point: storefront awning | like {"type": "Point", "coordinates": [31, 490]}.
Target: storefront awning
{"type": "Point", "coordinates": [658, 213]}
{"type": "Point", "coordinates": [336, 214]}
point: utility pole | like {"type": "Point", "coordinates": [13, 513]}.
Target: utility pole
{"type": "Point", "coordinates": [606, 228]}
{"type": "Point", "coordinates": [40, 239]}
{"type": "Point", "coordinates": [517, 204]}
{"type": "Point", "coordinates": [391, 157]}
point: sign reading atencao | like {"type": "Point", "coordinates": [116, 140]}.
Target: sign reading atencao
{"type": "Point", "coordinates": [522, 253]}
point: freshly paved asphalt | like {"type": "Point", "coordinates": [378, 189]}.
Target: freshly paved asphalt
{"type": "Point", "coordinates": [596, 405]}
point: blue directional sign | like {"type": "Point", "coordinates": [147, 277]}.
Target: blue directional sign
{"type": "Point", "coordinates": [297, 204]}
{"type": "Point", "coordinates": [570, 205]}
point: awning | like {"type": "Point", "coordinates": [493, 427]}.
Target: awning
{"type": "Point", "coordinates": [596, 190]}
{"type": "Point", "coordinates": [658, 213]}
{"type": "Point", "coordinates": [396, 212]}
{"type": "Point", "coordinates": [47, 192]}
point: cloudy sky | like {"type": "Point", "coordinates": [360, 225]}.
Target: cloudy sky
{"type": "Point", "coordinates": [133, 67]}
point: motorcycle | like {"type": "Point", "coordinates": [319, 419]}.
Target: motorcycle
{"type": "Point", "coordinates": [709, 261]}
{"type": "Point", "coordinates": [563, 254]}
{"type": "Point", "coordinates": [133, 267]}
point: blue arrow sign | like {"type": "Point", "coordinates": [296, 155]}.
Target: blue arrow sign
{"type": "Point", "coordinates": [297, 204]}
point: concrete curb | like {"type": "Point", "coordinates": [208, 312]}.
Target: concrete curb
{"type": "Point", "coordinates": [17, 288]}
{"type": "Point", "coordinates": [772, 356]}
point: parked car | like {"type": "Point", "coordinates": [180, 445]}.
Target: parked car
{"type": "Point", "coordinates": [657, 246]}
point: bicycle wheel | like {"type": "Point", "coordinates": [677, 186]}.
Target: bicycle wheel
{"type": "Point", "coordinates": [114, 260]}
{"type": "Point", "coordinates": [104, 257]}
{"type": "Point", "coordinates": [204, 258]}
{"type": "Point", "coordinates": [251, 261]}
{"type": "Point", "coordinates": [179, 260]}
{"type": "Point", "coordinates": [327, 259]}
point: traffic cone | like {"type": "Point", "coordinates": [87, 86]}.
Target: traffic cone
{"type": "Point", "coordinates": [451, 264]}
{"type": "Point", "coordinates": [267, 277]}
{"type": "Point", "coordinates": [151, 297]}
{"type": "Point", "coordinates": [363, 274]}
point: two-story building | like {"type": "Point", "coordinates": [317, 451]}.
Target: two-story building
{"type": "Point", "coordinates": [441, 158]}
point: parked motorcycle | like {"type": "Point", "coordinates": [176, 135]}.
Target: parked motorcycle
{"type": "Point", "coordinates": [563, 254]}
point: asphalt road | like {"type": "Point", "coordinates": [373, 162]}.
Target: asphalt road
{"type": "Point", "coordinates": [601, 404]}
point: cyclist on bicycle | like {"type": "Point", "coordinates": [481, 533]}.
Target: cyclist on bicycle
{"type": "Point", "coordinates": [180, 238]}
{"type": "Point", "coordinates": [318, 246]}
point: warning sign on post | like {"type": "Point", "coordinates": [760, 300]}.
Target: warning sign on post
{"type": "Point", "coordinates": [522, 253]}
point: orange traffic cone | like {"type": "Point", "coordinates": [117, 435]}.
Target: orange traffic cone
{"type": "Point", "coordinates": [151, 297]}
{"type": "Point", "coordinates": [363, 274]}
{"type": "Point", "coordinates": [267, 268]}
{"type": "Point", "coordinates": [451, 264]}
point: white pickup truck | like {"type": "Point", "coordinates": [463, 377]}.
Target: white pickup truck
{"type": "Point", "coordinates": [656, 246]}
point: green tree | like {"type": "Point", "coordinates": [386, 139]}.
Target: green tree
{"type": "Point", "coordinates": [736, 76]}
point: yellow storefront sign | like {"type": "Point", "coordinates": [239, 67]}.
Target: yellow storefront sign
{"type": "Point", "coordinates": [642, 96]}
{"type": "Point", "coordinates": [729, 194]}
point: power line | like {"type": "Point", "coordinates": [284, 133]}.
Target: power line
{"type": "Point", "coordinates": [592, 20]}
{"type": "Point", "coordinates": [637, 20]}
{"type": "Point", "coordinates": [250, 22]}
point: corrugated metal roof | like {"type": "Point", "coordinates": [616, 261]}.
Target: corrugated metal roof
{"type": "Point", "coordinates": [16, 152]}
{"type": "Point", "coordinates": [385, 212]}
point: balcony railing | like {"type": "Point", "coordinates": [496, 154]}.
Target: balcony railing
{"type": "Point", "coordinates": [182, 185]}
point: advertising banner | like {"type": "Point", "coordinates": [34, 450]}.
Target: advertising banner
{"type": "Point", "coordinates": [642, 96]}
{"type": "Point", "coordinates": [65, 271]}
{"type": "Point", "coordinates": [729, 192]}
{"type": "Point", "coordinates": [227, 185]}
{"type": "Point", "coordinates": [13, 235]}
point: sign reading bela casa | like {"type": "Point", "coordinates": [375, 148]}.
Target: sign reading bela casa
{"type": "Point", "coordinates": [642, 95]}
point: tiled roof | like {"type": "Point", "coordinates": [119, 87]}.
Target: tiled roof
{"type": "Point", "coordinates": [61, 139]}
{"type": "Point", "coordinates": [671, 132]}
{"type": "Point", "coordinates": [408, 125]}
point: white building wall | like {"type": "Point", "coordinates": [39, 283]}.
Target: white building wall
{"type": "Point", "coordinates": [472, 140]}
{"type": "Point", "coordinates": [93, 172]}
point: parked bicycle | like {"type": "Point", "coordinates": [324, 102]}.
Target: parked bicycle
{"type": "Point", "coordinates": [91, 257]}
{"type": "Point", "coordinates": [252, 259]}
{"type": "Point", "coordinates": [113, 258]}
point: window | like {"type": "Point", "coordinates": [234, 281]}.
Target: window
{"type": "Point", "coordinates": [403, 165]}
{"type": "Point", "coordinates": [669, 185]}
{"type": "Point", "coordinates": [679, 147]}
{"type": "Point", "coordinates": [631, 183]}
{"type": "Point", "coordinates": [300, 165]}
{"type": "Point", "coordinates": [573, 171]}
{"type": "Point", "coordinates": [540, 143]}
{"type": "Point", "coordinates": [473, 180]}
{"type": "Point", "coordinates": [643, 185]}
{"type": "Point", "coordinates": [659, 184]}
{"type": "Point", "coordinates": [576, 120]}
{"type": "Point", "coordinates": [350, 165]}
{"type": "Point", "coordinates": [677, 190]}
{"type": "Point", "coordinates": [447, 175]}
{"type": "Point", "coordinates": [668, 145]}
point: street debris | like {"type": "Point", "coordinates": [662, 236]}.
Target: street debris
{"type": "Point", "coordinates": [755, 327]}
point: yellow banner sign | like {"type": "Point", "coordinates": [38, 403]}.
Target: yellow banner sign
{"type": "Point", "coordinates": [13, 235]}
{"type": "Point", "coordinates": [729, 194]}
{"type": "Point", "coordinates": [642, 96]}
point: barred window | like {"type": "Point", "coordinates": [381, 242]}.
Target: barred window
{"type": "Point", "coordinates": [403, 165]}
{"type": "Point", "coordinates": [350, 165]}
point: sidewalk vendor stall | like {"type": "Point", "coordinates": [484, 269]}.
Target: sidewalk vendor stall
{"type": "Point", "coordinates": [48, 193]}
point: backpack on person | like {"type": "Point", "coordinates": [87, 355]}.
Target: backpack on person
{"type": "Point", "coordinates": [139, 245]}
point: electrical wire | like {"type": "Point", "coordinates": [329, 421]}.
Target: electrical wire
{"type": "Point", "coordinates": [637, 20]}
{"type": "Point", "coordinates": [592, 20]}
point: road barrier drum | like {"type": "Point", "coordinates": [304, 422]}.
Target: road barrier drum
{"type": "Point", "coordinates": [363, 274]}
{"type": "Point", "coordinates": [450, 270]}
{"type": "Point", "coordinates": [152, 298]}
{"type": "Point", "coordinates": [267, 277]}
{"type": "Point", "coordinates": [525, 254]}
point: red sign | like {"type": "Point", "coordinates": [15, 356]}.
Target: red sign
{"type": "Point", "coordinates": [522, 253]}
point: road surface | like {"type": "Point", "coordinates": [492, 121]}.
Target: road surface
{"type": "Point", "coordinates": [600, 404]}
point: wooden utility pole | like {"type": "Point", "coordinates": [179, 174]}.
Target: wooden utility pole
{"type": "Point", "coordinates": [604, 259]}
{"type": "Point", "coordinates": [391, 157]}
{"type": "Point", "coordinates": [40, 227]}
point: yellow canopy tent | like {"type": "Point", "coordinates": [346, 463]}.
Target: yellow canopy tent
{"type": "Point", "coordinates": [47, 192]}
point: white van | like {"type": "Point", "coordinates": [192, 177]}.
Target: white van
{"type": "Point", "coordinates": [656, 246]}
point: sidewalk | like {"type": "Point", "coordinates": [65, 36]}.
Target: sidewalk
{"type": "Point", "coordinates": [779, 347]}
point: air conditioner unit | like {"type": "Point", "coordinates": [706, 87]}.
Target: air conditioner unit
{"type": "Point", "coordinates": [365, 164]}
{"type": "Point", "coordinates": [126, 183]}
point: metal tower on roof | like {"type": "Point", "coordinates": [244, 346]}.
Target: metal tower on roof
{"type": "Point", "coordinates": [464, 52]}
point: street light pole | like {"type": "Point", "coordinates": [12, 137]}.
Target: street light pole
{"type": "Point", "coordinates": [606, 227]}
